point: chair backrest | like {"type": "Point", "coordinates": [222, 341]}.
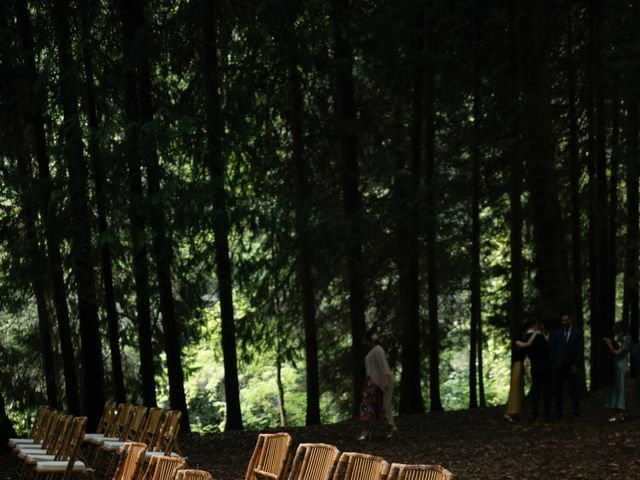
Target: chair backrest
{"type": "Point", "coordinates": [38, 421]}
{"type": "Point", "coordinates": [60, 444]}
{"type": "Point", "coordinates": [107, 418]}
{"type": "Point", "coordinates": [136, 425]}
{"type": "Point", "coordinates": [151, 428]}
{"type": "Point", "coordinates": [120, 425]}
{"type": "Point", "coordinates": [130, 461]}
{"type": "Point", "coordinates": [49, 428]}
{"type": "Point", "coordinates": [168, 433]}
{"type": "Point", "coordinates": [270, 456]}
{"type": "Point", "coordinates": [399, 471]}
{"type": "Point", "coordinates": [361, 466]}
{"type": "Point", "coordinates": [192, 474]}
{"type": "Point", "coordinates": [56, 431]}
{"type": "Point", "coordinates": [314, 461]}
{"type": "Point", "coordinates": [44, 420]}
{"type": "Point", "coordinates": [163, 467]}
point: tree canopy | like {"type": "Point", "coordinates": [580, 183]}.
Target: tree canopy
{"type": "Point", "coordinates": [206, 204]}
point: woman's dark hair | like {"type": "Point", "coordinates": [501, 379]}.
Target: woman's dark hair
{"type": "Point", "coordinates": [619, 328]}
{"type": "Point", "coordinates": [371, 336]}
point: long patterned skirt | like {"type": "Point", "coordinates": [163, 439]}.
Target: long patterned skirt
{"type": "Point", "coordinates": [371, 407]}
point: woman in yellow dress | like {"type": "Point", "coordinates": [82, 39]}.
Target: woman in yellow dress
{"type": "Point", "coordinates": [516, 389]}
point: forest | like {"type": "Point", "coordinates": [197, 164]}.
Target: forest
{"type": "Point", "coordinates": [205, 204]}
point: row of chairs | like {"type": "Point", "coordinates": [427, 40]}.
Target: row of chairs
{"type": "Point", "coordinates": [53, 449]}
{"type": "Point", "coordinates": [131, 423]}
{"type": "Point", "coordinates": [320, 461]}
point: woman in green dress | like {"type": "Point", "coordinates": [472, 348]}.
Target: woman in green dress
{"type": "Point", "coordinates": [619, 349]}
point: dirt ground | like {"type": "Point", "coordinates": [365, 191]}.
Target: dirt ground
{"type": "Point", "coordinates": [473, 444]}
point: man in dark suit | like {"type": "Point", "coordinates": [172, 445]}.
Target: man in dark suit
{"type": "Point", "coordinates": [567, 353]}
{"type": "Point", "coordinates": [540, 358]}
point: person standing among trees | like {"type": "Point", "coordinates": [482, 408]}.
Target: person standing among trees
{"type": "Point", "coordinates": [619, 349]}
{"type": "Point", "coordinates": [567, 353]}
{"type": "Point", "coordinates": [378, 388]}
{"type": "Point", "coordinates": [539, 355]}
{"type": "Point", "coordinates": [515, 400]}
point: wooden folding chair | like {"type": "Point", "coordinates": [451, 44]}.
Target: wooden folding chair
{"type": "Point", "coordinates": [116, 430]}
{"type": "Point", "coordinates": [269, 456]}
{"type": "Point", "coordinates": [162, 468]}
{"type": "Point", "coordinates": [399, 471]}
{"type": "Point", "coordinates": [192, 474]}
{"type": "Point", "coordinates": [38, 425]}
{"type": "Point", "coordinates": [142, 434]}
{"type": "Point", "coordinates": [130, 461]}
{"type": "Point", "coordinates": [106, 455]}
{"type": "Point", "coordinates": [166, 440]}
{"type": "Point", "coordinates": [51, 443]}
{"type": "Point", "coordinates": [107, 418]}
{"type": "Point", "coordinates": [73, 464]}
{"type": "Point", "coordinates": [361, 466]}
{"type": "Point", "coordinates": [45, 434]}
{"type": "Point", "coordinates": [314, 461]}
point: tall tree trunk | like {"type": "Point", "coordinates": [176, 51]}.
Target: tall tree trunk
{"type": "Point", "coordinates": [552, 279]}
{"type": "Point", "coordinates": [476, 307]}
{"type": "Point", "coordinates": [346, 131]}
{"type": "Point", "coordinates": [631, 272]}
{"type": "Point", "coordinates": [305, 277]}
{"type": "Point", "coordinates": [613, 210]}
{"type": "Point", "coordinates": [407, 247]}
{"type": "Point", "coordinates": [81, 249]}
{"type": "Point", "coordinates": [431, 183]}
{"type": "Point", "coordinates": [216, 165]}
{"type": "Point", "coordinates": [100, 181]}
{"type": "Point", "coordinates": [574, 175]}
{"type": "Point", "coordinates": [161, 243]}
{"type": "Point", "coordinates": [47, 210]}
{"type": "Point", "coordinates": [136, 204]}
{"type": "Point", "coordinates": [598, 229]}
{"type": "Point", "coordinates": [476, 192]}
{"type": "Point", "coordinates": [512, 83]}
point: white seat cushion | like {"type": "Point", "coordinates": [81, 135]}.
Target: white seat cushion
{"type": "Point", "coordinates": [25, 453]}
{"type": "Point", "coordinates": [31, 459]}
{"type": "Point", "coordinates": [20, 441]}
{"type": "Point", "coordinates": [30, 446]}
{"type": "Point", "coordinates": [59, 467]}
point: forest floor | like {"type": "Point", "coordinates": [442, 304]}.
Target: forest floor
{"type": "Point", "coordinates": [473, 444]}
